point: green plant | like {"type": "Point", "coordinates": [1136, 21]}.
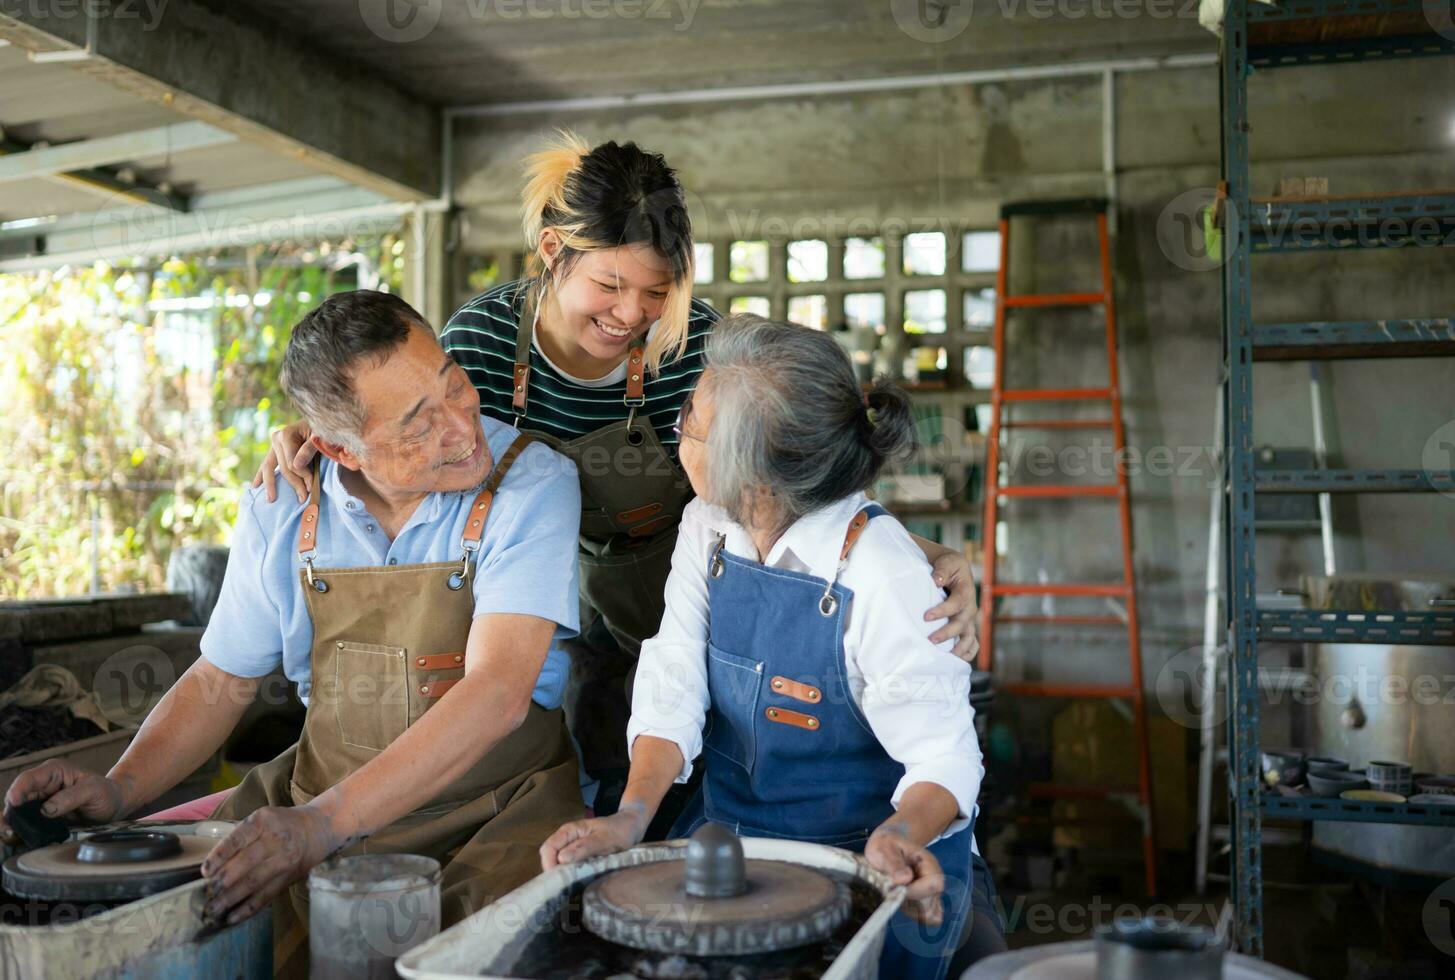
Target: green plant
{"type": "Point", "coordinates": [139, 401]}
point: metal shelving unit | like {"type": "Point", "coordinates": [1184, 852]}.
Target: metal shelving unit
{"type": "Point", "coordinates": [1265, 36]}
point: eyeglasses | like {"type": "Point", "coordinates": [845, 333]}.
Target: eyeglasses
{"type": "Point", "coordinates": [682, 415]}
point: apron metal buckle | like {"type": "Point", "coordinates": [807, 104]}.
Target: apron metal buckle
{"type": "Point", "coordinates": [456, 581]}
{"type": "Point", "coordinates": [633, 437]}
{"type": "Point", "coordinates": [319, 585]}
{"type": "Point", "coordinates": [715, 569]}
{"type": "Point", "coordinates": [830, 602]}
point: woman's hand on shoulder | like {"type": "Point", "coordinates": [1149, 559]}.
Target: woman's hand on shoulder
{"type": "Point", "coordinates": [292, 454]}
{"type": "Point", "coordinates": [953, 574]}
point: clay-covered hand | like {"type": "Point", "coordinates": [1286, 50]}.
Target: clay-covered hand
{"type": "Point", "coordinates": [69, 791]}
{"type": "Point", "coordinates": [267, 852]}
{"type": "Point", "coordinates": [952, 573]}
{"type": "Point", "coordinates": [582, 839]}
{"type": "Point", "coordinates": [292, 454]}
{"type": "Point", "coordinates": [908, 864]}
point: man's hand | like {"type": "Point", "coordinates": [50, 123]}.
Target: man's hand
{"type": "Point", "coordinates": [906, 863]}
{"type": "Point", "coordinates": [952, 573]}
{"type": "Point", "coordinates": [292, 454]}
{"type": "Point", "coordinates": [70, 792]}
{"type": "Point", "coordinates": [267, 852]}
{"type": "Point", "coordinates": [582, 839]}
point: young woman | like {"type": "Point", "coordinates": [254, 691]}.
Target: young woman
{"type": "Point", "coordinates": [793, 634]}
{"type": "Point", "coordinates": [595, 352]}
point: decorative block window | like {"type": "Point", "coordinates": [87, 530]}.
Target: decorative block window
{"type": "Point", "coordinates": [864, 258]}
{"type": "Point", "coordinates": [811, 310]}
{"type": "Point", "coordinates": [748, 262]}
{"type": "Point", "coordinates": [702, 262]}
{"type": "Point", "coordinates": [924, 254]}
{"type": "Point", "coordinates": [808, 261]}
{"type": "Point", "coordinates": [761, 305]}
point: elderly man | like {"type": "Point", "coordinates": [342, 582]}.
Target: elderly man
{"type": "Point", "coordinates": [414, 598]}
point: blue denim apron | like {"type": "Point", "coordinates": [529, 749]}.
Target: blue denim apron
{"type": "Point", "coordinates": [787, 749]}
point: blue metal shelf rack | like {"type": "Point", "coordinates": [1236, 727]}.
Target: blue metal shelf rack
{"type": "Point", "coordinates": [1292, 33]}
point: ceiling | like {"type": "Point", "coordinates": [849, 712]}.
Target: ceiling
{"type": "Point", "coordinates": [283, 110]}
{"type": "Point", "coordinates": [471, 52]}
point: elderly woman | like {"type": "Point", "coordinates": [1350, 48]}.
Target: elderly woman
{"type": "Point", "coordinates": [794, 633]}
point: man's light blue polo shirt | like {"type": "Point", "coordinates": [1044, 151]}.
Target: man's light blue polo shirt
{"type": "Point", "coordinates": [526, 563]}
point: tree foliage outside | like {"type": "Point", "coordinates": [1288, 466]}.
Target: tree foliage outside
{"type": "Point", "coordinates": [139, 400]}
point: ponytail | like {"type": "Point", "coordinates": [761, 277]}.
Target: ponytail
{"type": "Point", "coordinates": [544, 201]}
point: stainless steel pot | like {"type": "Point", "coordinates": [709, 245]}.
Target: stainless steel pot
{"type": "Point", "coordinates": [1392, 703]}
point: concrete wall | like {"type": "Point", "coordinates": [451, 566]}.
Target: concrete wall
{"type": "Point", "coordinates": [948, 158]}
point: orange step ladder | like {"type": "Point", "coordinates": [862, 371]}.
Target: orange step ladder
{"type": "Point", "coordinates": [1124, 590]}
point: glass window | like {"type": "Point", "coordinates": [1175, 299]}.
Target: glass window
{"type": "Point", "coordinates": [982, 419]}
{"type": "Point", "coordinates": [808, 261]}
{"type": "Point", "coordinates": [865, 310]}
{"type": "Point", "coordinates": [811, 311]}
{"type": "Point", "coordinates": [981, 252]}
{"type": "Point", "coordinates": [748, 261]}
{"type": "Point", "coordinates": [924, 311]}
{"type": "Point", "coordinates": [751, 304]}
{"type": "Point", "coordinates": [863, 258]}
{"type": "Point", "coordinates": [924, 254]}
{"type": "Point", "coordinates": [980, 366]}
{"type": "Point", "coordinates": [702, 262]}
{"type": "Point", "coordinates": [979, 308]}
{"type": "Point", "coordinates": [926, 365]}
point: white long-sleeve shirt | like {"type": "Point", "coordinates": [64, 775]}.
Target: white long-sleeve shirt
{"type": "Point", "coordinates": [915, 694]}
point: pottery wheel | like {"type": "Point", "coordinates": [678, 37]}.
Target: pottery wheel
{"type": "Point", "coordinates": [108, 867]}
{"type": "Point", "coordinates": [647, 907]}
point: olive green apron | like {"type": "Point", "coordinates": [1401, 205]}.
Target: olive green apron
{"type": "Point", "coordinates": [632, 496]}
{"type": "Point", "coordinates": [388, 643]}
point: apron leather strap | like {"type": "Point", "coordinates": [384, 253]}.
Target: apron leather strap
{"type": "Point", "coordinates": [480, 509]}
{"type": "Point", "coordinates": [523, 334]}
{"type": "Point", "coordinates": [828, 603]}
{"type": "Point", "coordinates": [856, 528]}
{"type": "Point", "coordinates": [308, 527]}
{"type": "Point", "coordinates": [522, 385]}
{"type": "Point", "coordinates": [635, 378]}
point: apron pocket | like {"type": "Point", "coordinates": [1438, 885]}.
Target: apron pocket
{"type": "Point", "coordinates": [372, 694]}
{"type": "Point", "coordinates": [733, 683]}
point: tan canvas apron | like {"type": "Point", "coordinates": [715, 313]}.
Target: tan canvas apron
{"type": "Point", "coordinates": [388, 643]}
{"type": "Point", "coordinates": [632, 496]}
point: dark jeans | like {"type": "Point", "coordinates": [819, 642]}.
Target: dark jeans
{"type": "Point", "coordinates": [984, 932]}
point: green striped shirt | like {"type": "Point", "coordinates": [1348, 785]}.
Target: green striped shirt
{"type": "Point", "coordinates": [481, 336]}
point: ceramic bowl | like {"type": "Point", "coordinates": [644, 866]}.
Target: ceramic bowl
{"type": "Point", "coordinates": [1437, 786]}
{"type": "Point", "coordinates": [1326, 763]}
{"type": "Point", "coordinates": [1283, 767]}
{"type": "Point", "coordinates": [1391, 777]}
{"type": "Point", "coordinates": [1330, 783]}
{"type": "Point", "coordinates": [1370, 796]}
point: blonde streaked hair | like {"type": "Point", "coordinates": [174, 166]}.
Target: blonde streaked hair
{"type": "Point", "coordinates": [604, 197]}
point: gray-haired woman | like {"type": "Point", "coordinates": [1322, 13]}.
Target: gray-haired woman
{"type": "Point", "coordinates": [793, 623]}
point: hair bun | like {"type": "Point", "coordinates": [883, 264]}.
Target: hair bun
{"type": "Point", "coordinates": [889, 415]}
